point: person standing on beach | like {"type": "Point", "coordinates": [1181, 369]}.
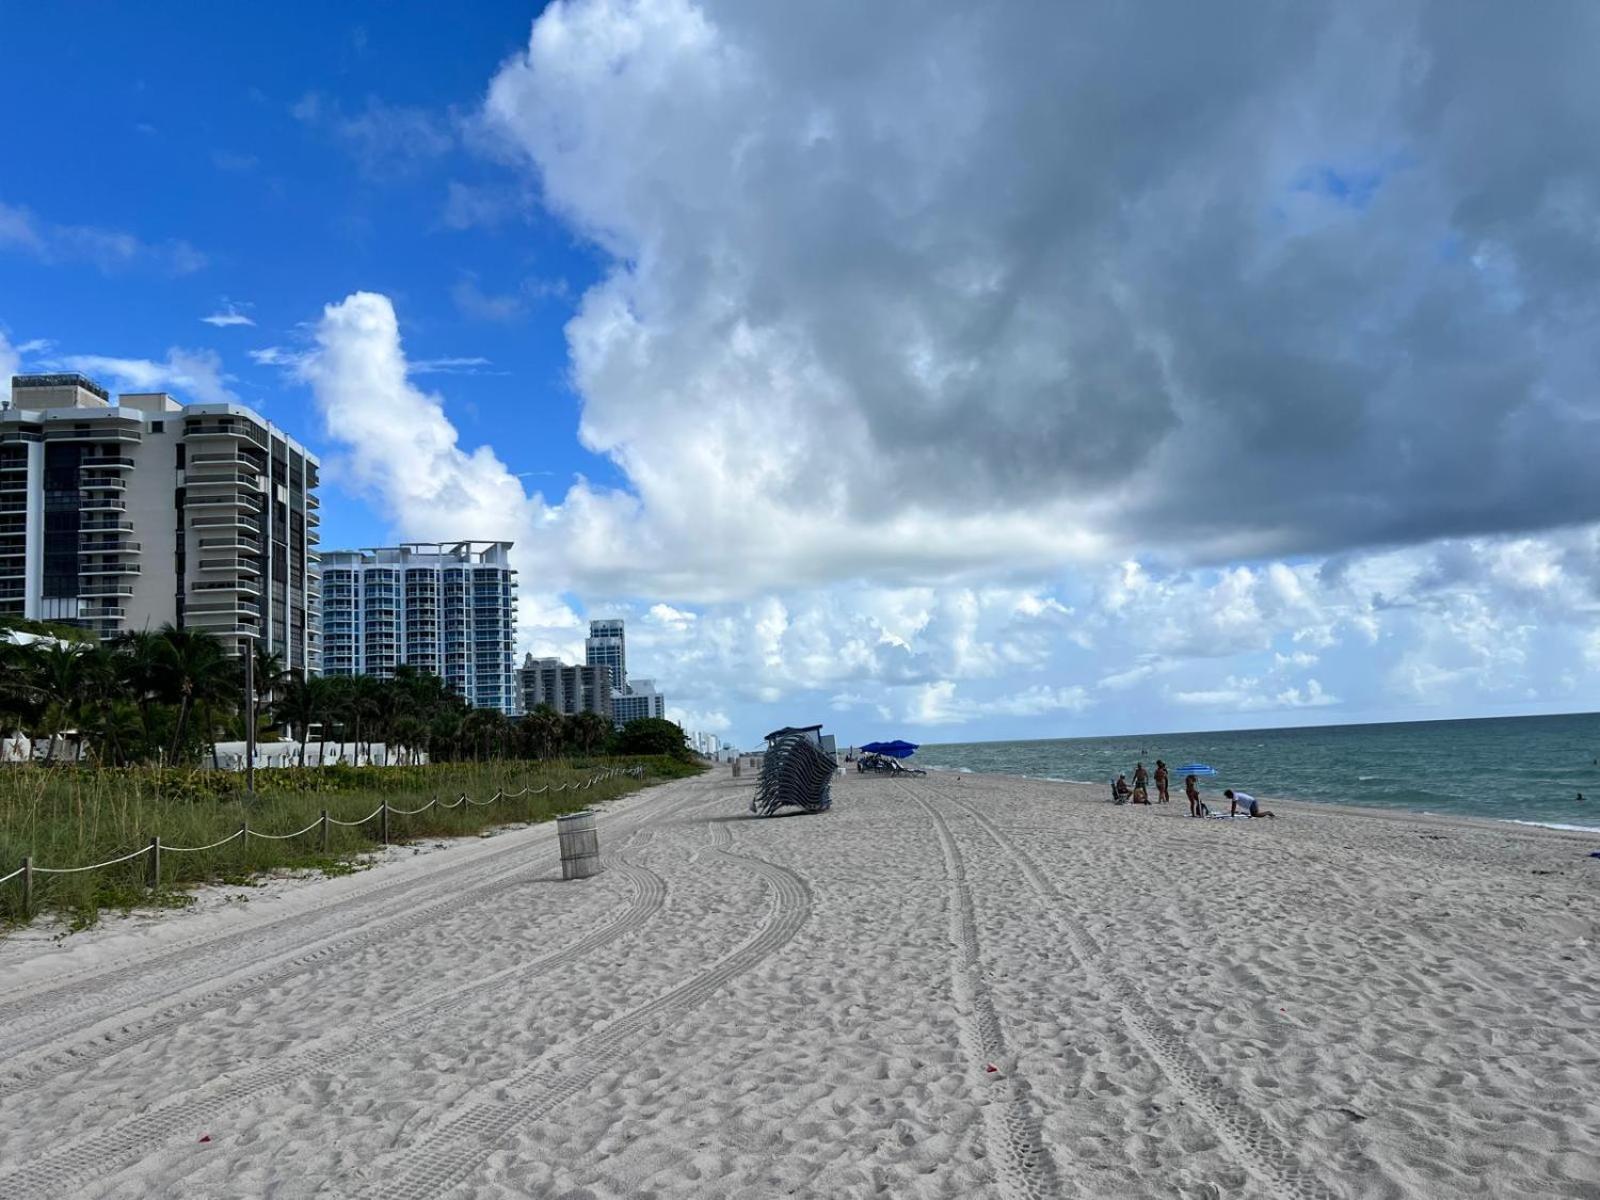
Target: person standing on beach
{"type": "Point", "coordinates": [1191, 789]}
{"type": "Point", "coordinates": [1244, 800]}
{"type": "Point", "coordinates": [1162, 782]}
{"type": "Point", "coordinates": [1141, 777]}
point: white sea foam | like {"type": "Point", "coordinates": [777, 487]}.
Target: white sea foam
{"type": "Point", "coordinates": [1557, 825]}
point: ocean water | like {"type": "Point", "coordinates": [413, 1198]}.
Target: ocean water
{"type": "Point", "coordinates": [1508, 768]}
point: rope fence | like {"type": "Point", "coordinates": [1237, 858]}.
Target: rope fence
{"type": "Point", "coordinates": [156, 847]}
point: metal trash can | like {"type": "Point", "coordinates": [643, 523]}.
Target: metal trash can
{"type": "Point", "coordinates": [580, 845]}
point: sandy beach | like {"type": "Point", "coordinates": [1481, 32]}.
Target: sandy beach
{"type": "Point", "coordinates": [946, 987]}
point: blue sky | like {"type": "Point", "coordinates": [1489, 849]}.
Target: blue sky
{"type": "Point", "coordinates": [927, 389]}
{"type": "Point", "coordinates": [180, 129]}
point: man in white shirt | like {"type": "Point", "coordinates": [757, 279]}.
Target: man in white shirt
{"type": "Point", "coordinates": [1244, 800]}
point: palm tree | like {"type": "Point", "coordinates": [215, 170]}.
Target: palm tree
{"type": "Point", "coordinates": [18, 694]}
{"type": "Point", "coordinates": [357, 705]}
{"type": "Point", "coordinates": [486, 729]}
{"type": "Point", "coordinates": [588, 730]}
{"type": "Point", "coordinates": [141, 662]}
{"type": "Point", "coordinates": [410, 732]}
{"type": "Point", "coordinates": [300, 703]}
{"type": "Point", "coordinates": [197, 671]}
{"type": "Point", "coordinates": [58, 678]}
{"type": "Point", "coordinates": [545, 729]}
{"type": "Point", "coordinates": [270, 674]}
{"type": "Point", "coordinates": [101, 678]}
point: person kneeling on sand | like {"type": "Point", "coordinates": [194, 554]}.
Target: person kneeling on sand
{"type": "Point", "coordinates": [1119, 789]}
{"type": "Point", "coordinates": [1244, 800]}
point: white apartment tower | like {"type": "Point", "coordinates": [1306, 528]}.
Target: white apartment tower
{"type": "Point", "coordinates": [640, 699]}
{"type": "Point", "coordinates": [128, 516]}
{"type": "Point", "coordinates": [447, 608]}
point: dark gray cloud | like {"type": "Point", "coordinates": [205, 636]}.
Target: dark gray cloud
{"type": "Point", "coordinates": [1218, 280]}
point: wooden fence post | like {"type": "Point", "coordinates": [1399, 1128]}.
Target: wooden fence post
{"type": "Point", "coordinates": [324, 831]}
{"type": "Point", "coordinates": [244, 838]}
{"type": "Point", "coordinates": [385, 813]}
{"type": "Point", "coordinates": [27, 886]}
{"type": "Point", "coordinates": [155, 863]}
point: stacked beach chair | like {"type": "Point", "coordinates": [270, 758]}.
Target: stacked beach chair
{"type": "Point", "coordinates": [796, 772]}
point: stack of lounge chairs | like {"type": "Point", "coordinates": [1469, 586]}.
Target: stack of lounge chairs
{"type": "Point", "coordinates": [882, 764]}
{"type": "Point", "coordinates": [796, 772]}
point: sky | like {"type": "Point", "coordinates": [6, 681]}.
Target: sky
{"type": "Point", "coordinates": [928, 370]}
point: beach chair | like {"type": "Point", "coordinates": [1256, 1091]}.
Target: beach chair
{"type": "Point", "coordinates": [795, 773]}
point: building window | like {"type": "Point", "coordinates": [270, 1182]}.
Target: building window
{"type": "Point", "coordinates": [158, 426]}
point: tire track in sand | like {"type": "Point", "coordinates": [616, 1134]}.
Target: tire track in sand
{"type": "Point", "coordinates": [454, 1150]}
{"type": "Point", "coordinates": [1254, 1145]}
{"type": "Point", "coordinates": [137, 1138]}
{"type": "Point", "coordinates": [1024, 1169]}
{"type": "Point", "coordinates": [61, 1039]}
{"type": "Point", "coordinates": [104, 978]}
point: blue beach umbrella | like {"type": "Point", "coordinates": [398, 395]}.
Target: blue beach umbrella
{"type": "Point", "coordinates": [895, 749]}
{"type": "Point", "coordinates": [1194, 769]}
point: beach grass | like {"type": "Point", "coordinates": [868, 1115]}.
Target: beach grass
{"type": "Point", "coordinates": [70, 817]}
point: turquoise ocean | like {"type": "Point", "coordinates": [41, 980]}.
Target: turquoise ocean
{"type": "Point", "coordinates": [1507, 768]}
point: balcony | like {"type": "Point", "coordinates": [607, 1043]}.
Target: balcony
{"type": "Point", "coordinates": [220, 459]}
{"type": "Point", "coordinates": [239, 543]}
{"type": "Point", "coordinates": [105, 612]}
{"type": "Point", "coordinates": [232, 497]}
{"type": "Point", "coordinates": [110, 568]}
{"type": "Point", "coordinates": [235, 520]}
{"type": "Point", "coordinates": [240, 566]}
{"type": "Point", "coordinates": [103, 543]}
{"type": "Point", "coordinates": [90, 503]}
{"type": "Point", "coordinates": [110, 483]}
{"type": "Point", "coordinates": [312, 501]}
{"type": "Point", "coordinates": [214, 606]}
{"type": "Point", "coordinates": [106, 589]}
{"type": "Point", "coordinates": [242, 586]}
{"type": "Point", "coordinates": [105, 525]}
{"type": "Point", "coordinates": [232, 480]}
{"type": "Point", "coordinates": [222, 625]}
{"type": "Point", "coordinates": [119, 462]}
{"type": "Point", "coordinates": [98, 431]}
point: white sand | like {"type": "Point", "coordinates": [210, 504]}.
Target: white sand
{"type": "Point", "coordinates": [1337, 1003]}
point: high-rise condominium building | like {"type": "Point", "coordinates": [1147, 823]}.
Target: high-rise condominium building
{"type": "Point", "coordinates": [128, 516]}
{"type": "Point", "coordinates": [639, 700]}
{"type": "Point", "coordinates": [606, 646]}
{"type": "Point", "coordinates": [567, 689]}
{"type": "Point", "coordinates": [448, 608]}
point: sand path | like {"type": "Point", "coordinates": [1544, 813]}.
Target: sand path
{"type": "Point", "coordinates": [954, 986]}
